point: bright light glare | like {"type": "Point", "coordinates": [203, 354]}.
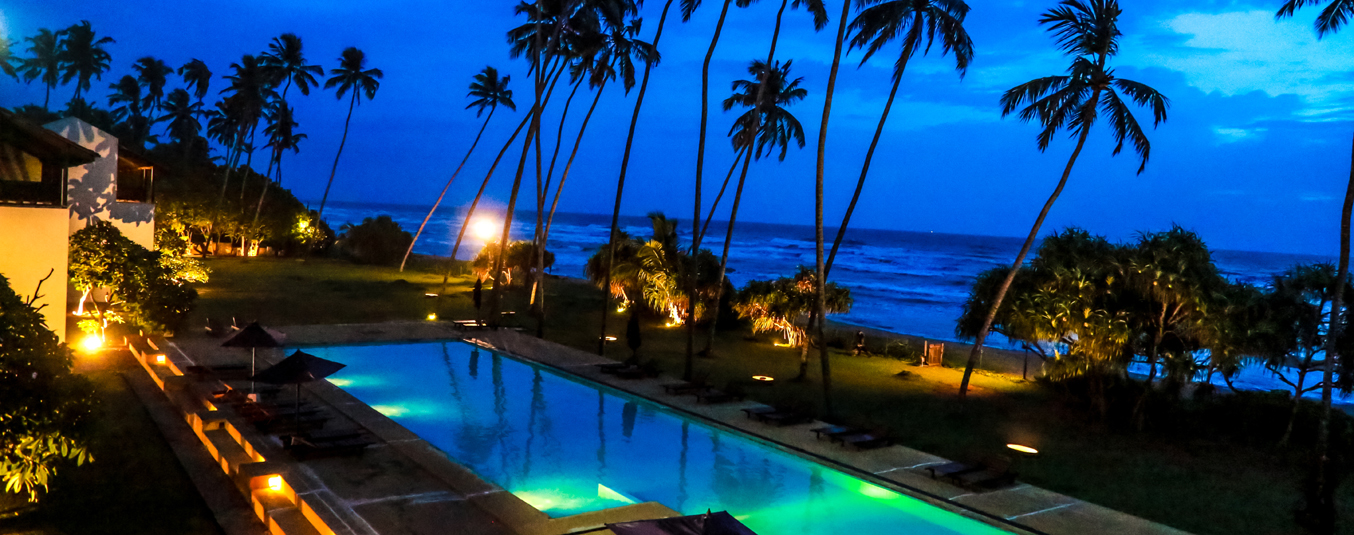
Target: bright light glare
{"type": "Point", "coordinates": [1023, 449]}
{"type": "Point", "coordinates": [275, 483]}
{"type": "Point", "coordinates": [485, 230]}
{"type": "Point", "coordinates": [159, 359]}
{"type": "Point", "coordinates": [91, 343]}
{"type": "Point", "coordinates": [432, 317]}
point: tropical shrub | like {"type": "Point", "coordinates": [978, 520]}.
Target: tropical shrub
{"type": "Point", "coordinates": [43, 406]}
{"type": "Point", "coordinates": [520, 261]}
{"type": "Point", "coordinates": [374, 241]}
{"type": "Point", "coordinates": [144, 288]}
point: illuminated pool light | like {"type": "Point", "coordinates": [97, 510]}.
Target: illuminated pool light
{"type": "Point", "coordinates": [1023, 449]}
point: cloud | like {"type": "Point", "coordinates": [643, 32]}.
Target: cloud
{"type": "Point", "coordinates": [1316, 197]}
{"type": "Point", "coordinates": [1233, 135]}
{"type": "Point", "coordinates": [1241, 52]}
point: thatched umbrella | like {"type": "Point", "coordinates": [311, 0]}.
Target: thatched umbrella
{"type": "Point", "coordinates": [253, 336]}
{"type": "Point", "coordinates": [721, 523]}
{"type": "Point", "coordinates": [299, 368]}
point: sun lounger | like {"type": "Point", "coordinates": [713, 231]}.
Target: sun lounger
{"type": "Point", "coordinates": [864, 441]}
{"type": "Point", "coordinates": [215, 328]}
{"type": "Point", "coordinates": [956, 468]}
{"type": "Point", "coordinates": [783, 418]}
{"type": "Point", "coordinates": [292, 426]}
{"type": "Point", "coordinates": [754, 412]}
{"type": "Point", "coordinates": [678, 389]}
{"type": "Point", "coordinates": [833, 431]}
{"type": "Point", "coordinates": [995, 472]}
{"type": "Point", "coordinates": [469, 324]}
{"type": "Point", "coordinates": [303, 448]}
{"type": "Point", "coordinates": [711, 395]}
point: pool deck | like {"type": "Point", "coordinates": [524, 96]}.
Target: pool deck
{"type": "Point", "coordinates": [402, 484]}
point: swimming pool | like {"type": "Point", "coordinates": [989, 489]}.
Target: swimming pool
{"type": "Point", "coordinates": [568, 447]}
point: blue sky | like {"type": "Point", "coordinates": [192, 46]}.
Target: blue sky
{"type": "Point", "coordinates": [1254, 155]}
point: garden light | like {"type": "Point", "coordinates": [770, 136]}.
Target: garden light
{"type": "Point", "coordinates": [1023, 449]}
{"type": "Point", "coordinates": [432, 317]}
{"type": "Point", "coordinates": [91, 343]}
{"type": "Point", "coordinates": [275, 483]}
{"type": "Point", "coordinates": [160, 359]}
{"type": "Point", "coordinates": [763, 378]}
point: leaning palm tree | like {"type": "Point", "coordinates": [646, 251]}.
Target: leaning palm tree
{"type": "Point", "coordinates": [351, 75]}
{"type": "Point", "coordinates": [649, 54]}
{"type": "Point", "coordinates": [820, 280]}
{"type": "Point", "coordinates": [1332, 19]}
{"type": "Point", "coordinates": [490, 91]}
{"type": "Point", "coordinates": [1088, 31]}
{"type": "Point", "coordinates": [83, 57]}
{"type": "Point", "coordinates": [196, 77]}
{"type": "Point", "coordinates": [284, 61]}
{"type": "Point", "coordinates": [819, 12]}
{"type": "Point", "coordinates": [766, 126]}
{"type": "Point", "coordinates": [920, 23]}
{"type": "Point", "coordinates": [133, 125]}
{"type": "Point", "coordinates": [44, 61]}
{"type": "Point", "coordinates": [153, 74]}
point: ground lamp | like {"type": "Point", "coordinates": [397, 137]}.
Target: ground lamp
{"type": "Point", "coordinates": [721, 523]}
{"type": "Point", "coordinates": [1023, 449]}
{"type": "Point", "coordinates": [253, 336]}
{"type": "Point", "coordinates": [298, 368]}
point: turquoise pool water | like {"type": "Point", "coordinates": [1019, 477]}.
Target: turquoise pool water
{"type": "Point", "coordinates": [567, 447]}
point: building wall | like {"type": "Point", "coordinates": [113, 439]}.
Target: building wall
{"type": "Point", "coordinates": [36, 248]}
{"type": "Point", "coordinates": [91, 189]}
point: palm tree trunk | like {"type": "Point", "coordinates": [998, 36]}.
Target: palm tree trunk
{"type": "Point", "coordinates": [724, 258]}
{"type": "Point", "coordinates": [460, 235]}
{"type": "Point", "coordinates": [860, 183]}
{"type": "Point", "coordinates": [620, 182]}
{"type": "Point", "coordinates": [277, 157]}
{"type": "Point", "coordinates": [570, 164]}
{"type": "Point", "coordinates": [1139, 419]}
{"type": "Point", "coordinates": [1020, 258]}
{"type": "Point", "coordinates": [538, 278]}
{"type": "Point", "coordinates": [1328, 366]}
{"type": "Point", "coordinates": [334, 169]}
{"type": "Point", "coordinates": [819, 301]}
{"type": "Point", "coordinates": [248, 163]}
{"type": "Point", "coordinates": [46, 97]}
{"type": "Point", "coordinates": [713, 206]}
{"type": "Point", "coordinates": [230, 165]}
{"type": "Point", "coordinates": [696, 217]}
{"type": "Point", "coordinates": [444, 188]}
{"type": "Point", "coordinates": [559, 135]}
{"type": "Point", "coordinates": [742, 178]}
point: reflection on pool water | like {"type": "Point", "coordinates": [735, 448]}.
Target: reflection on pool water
{"type": "Point", "coordinates": [566, 447]}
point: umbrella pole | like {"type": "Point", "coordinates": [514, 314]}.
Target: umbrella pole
{"type": "Point", "coordinates": [296, 412]}
{"type": "Point", "coordinates": [253, 358]}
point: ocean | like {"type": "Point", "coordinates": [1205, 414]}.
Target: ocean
{"type": "Point", "coordinates": [905, 282]}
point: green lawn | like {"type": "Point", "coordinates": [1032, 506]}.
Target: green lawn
{"type": "Point", "coordinates": [1202, 486]}
{"type": "Point", "coordinates": [135, 486]}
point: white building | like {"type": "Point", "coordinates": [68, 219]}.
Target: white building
{"type": "Point", "coordinates": [54, 181]}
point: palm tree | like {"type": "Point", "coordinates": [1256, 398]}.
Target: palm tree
{"type": "Point", "coordinates": [196, 77]}
{"type": "Point", "coordinates": [82, 56]}
{"type": "Point", "coordinates": [490, 91]}
{"type": "Point", "coordinates": [282, 136]}
{"type": "Point", "coordinates": [1088, 31]}
{"type": "Point", "coordinates": [44, 61]}
{"type": "Point", "coordinates": [649, 54]}
{"type": "Point", "coordinates": [351, 75]}
{"type": "Point", "coordinates": [241, 111]}
{"type": "Point", "coordinates": [7, 59]}
{"type": "Point", "coordinates": [182, 114]}
{"type": "Point", "coordinates": [284, 61]}
{"type": "Point", "coordinates": [920, 23]}
{"type": "Point", "coordinates": [133, 123]}
{"type": "Point", "coordinates": [759, 131]}
{"type": "Point", "coordinates": [153, 74]}
{"type": "Point", "coordinates": [820, 304]}
{"type": "Point", "coordinates": [1331, 20]}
